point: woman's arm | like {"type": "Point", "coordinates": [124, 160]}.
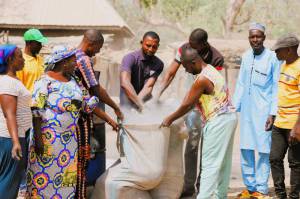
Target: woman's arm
{"type": "Point", "coordinates": [101, 114]}
{"type": "Point", "coordinates": [9, 108]}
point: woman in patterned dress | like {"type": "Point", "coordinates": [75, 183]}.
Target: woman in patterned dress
{"type": "Point", "coordinates": [57, 102]}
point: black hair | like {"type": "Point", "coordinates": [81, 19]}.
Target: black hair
{"type": "Point", "coordinates": [198, 36]}
{"type": "Point", "coordinates": [151, 34]}
{"type": "Point", "coordinates": [31, 41]}
{"type": "Point", "coordinates": [93, 35]}
{"type": "Point", "coordinates": [189, 54]}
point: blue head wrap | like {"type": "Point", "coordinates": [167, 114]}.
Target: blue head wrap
{"type": "Point", "coordinates": [6, 51]}
{"type": "Point", "coordinates": [58, 53]}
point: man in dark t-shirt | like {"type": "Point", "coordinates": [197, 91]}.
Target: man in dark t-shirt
{"type": "Point", "coordinates": [210, 55]}
{"type": "Point", "coordinates": [198, 40]}
{"type": "Point", "coordinates": [139, 72]}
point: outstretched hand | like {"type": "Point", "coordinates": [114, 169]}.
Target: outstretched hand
{"type": "Point", "coordinates": [140, 108]}
{"type": "Point", "coordinates": [166, 122]}
{"type": "Point", "coordinates": [114, 125]}
{"type": "Point", "coordinates": [119, 114]}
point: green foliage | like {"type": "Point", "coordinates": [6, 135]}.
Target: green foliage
{"type": "Point", "coordinates": [179, 10]}
{"type": "Point", "coordinates": [148, 3]}
{"type": "Point", "coordinates": [279, 16]}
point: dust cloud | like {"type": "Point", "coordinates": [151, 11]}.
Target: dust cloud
{"type": "Point", "coordinates": [153, 113]}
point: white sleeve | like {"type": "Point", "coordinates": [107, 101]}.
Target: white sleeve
{"type": "Point", "coordinates": [9, 87]}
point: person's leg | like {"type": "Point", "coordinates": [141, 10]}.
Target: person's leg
{"type": "Point", "coordinates": [224, 176]}
{"type": "Point", "coordinates": [248, 169]}
{"type": "Point", "coordinates": [217, 135]}
{"type": "Point", "coordinates": [262, 173]}
{"type": "Point", "coordinates": [9, 169]}
{"type": "Point", "coordinates": [279, 148]}
{"type": "Point", "coordinates": [294, 163]}
{"type": "Point", "coordinates": [200, 163]}
{"type": "Point", "coordinates": [23, 184]}
{"type": "Point", "coordinates": [191, 153]}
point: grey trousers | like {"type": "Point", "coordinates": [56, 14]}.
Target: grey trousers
{"type": "Point", "coordinates": [193, 124]}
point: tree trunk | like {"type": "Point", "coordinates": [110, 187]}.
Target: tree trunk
{"type": "Point", "coordinates": [233, 10]}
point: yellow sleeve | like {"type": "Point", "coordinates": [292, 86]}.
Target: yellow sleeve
{"type": "Point", "coordinates": [298, 82]}
{"type": "Point", "coordinates": [20, 76]}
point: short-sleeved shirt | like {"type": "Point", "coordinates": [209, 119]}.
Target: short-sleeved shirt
{"type": "Point", "coordinates": [211, 56]}
{"type": "Point", "coordinates": [32, 71]}
{"type": "Point", "coordinates": [141, 68]}
{"type": "Point", "coordinates": [59, 103]}
{"type": "Point", "coordinates": [85, 70]}
{"type": "Point", "coordinates": [288, 95]}
{"type": "Point", "coordinates": [14, 87]}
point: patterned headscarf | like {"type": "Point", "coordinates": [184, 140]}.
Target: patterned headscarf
{"type": "Point", "coordinates": [59, 53]}
{"type": "Point", "coordinates": [6, 51]}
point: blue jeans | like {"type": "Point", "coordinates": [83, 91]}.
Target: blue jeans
{"type": "Point", "coordinates": [10, 168]}
{"type": "Point", "coordinates": [193, 124]}
{"type": "Point", "coordinates": [23, 184]}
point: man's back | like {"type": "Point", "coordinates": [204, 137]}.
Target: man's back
{"type": "Point", "coordinates": [218, 102]}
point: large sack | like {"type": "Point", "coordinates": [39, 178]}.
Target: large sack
{"type": "Point", "coordinates": [171, 184]}
{"type": "Point", "coordinates": [142, 163]}
{"type": "Point", "coordinates": [146, 169]}
{"type": "Point", "coordinates": [115, 188]}
{"type": "Point", "coordinates": [144, 155]}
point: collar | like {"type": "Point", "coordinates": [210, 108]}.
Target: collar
{"type": "Point", "coordinates": [261, 54]}
{"type": "Point", "coordinates": [28, 57]}
{"type": "Point", "coordinates": [142, 56]}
